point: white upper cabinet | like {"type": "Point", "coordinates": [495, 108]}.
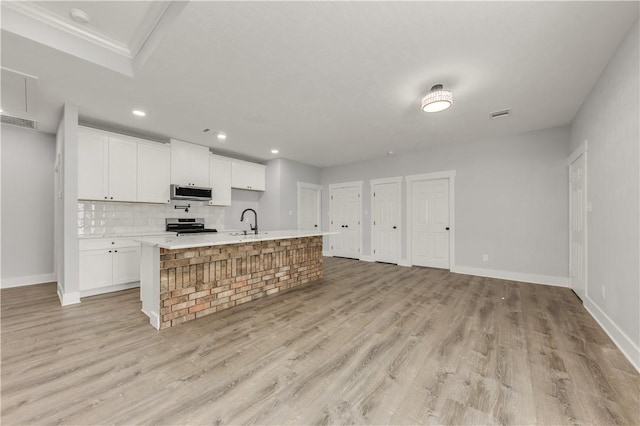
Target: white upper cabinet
{"type": "Point", "coordinates": [123, 165]}
{"type": "Point", "coordinates": [93, 171]}
{"type": "Point", "coordinates": [220, 180]}
{"type": "Point", "coordinates": [189, 164]}
{"type": "Point", "coordinates": [115, 167]}
{"type": "Point", "coordinates": [154, 172]}
{"type": "Point", "coordinates": [106, 167]}
{"type": "Point", "coordinates": [246, 175]}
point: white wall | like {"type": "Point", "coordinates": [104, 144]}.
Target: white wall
{"type": "Point", "coordinates": [511, 199]}
{"type": "Point", "coordinates": [240, 200]}
{"type": "Point", "coordinates": [27, 206]}
{"type": "Point", "coordinates": [279, 204]}
{"type": "Point", "coordinates": [609, 120]}
{"type": "Point", "coordinates": [66, 220]}
{"type": "Point", "coordinates": [270, 200]}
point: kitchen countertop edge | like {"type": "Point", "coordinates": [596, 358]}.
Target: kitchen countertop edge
{"type": "Point", "coordinates": [190, 241]}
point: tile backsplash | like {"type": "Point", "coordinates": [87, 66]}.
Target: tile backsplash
{"type": "Point", "coordinates": [97, 217]}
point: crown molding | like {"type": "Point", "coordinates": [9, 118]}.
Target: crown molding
{"type": "Point", "coordinates": [45, 17]}
{"type": "Point", "coordinates": [149, 25]}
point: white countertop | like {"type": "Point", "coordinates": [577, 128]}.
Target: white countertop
{"type": "Point", "coordinates": [202, 240]}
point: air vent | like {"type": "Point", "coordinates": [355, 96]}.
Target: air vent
{"type": "Point", "coordinates": [15, 121]}
{"type": "Point", "coordinates": [500, 114]}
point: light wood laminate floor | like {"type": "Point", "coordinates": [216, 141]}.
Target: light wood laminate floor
{"type": "Point", "coordinates": [369, 344]}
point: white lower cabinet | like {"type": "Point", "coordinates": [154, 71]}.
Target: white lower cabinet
{"type": "Point", "coordinates": [108, 264]}
{"type": "Point", "coordinates": [96, 269]}
{"type": "Point", "coordinates": [126, 265]}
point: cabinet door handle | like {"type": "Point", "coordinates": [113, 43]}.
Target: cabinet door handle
{"type": "Point", "coordinates": [446, 229]}
{"type": "Point", "coordinates": [109, 251]}
{"type": "Point", "coordinates": [395, 227]}
{"type": "Point", "coordinates": [115, 251]}
{"type": "Point", "coordinates": [105, 198]}
{"type": "Point", "coordinates": [346, 226]}
{"type": "Point", "coordinates": [111, 198]}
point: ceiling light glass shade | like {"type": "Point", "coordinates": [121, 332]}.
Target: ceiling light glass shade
{"type": "Point", "coordinates": [437, 99]}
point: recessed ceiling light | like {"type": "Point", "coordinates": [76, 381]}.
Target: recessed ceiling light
{"type": "Point", "coordinates": [274, 151]}
{"type": "Point", "coordinates": [139, 113]}
{"type": "Point", "coordinates": [222, 136]}
{"type": "Point", "coordinates": [79, 16]}
{"type": "Point", "coordinates": [390, 152]}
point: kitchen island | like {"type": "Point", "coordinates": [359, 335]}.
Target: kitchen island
{"type": "Point", "coordinates": [187, 277]}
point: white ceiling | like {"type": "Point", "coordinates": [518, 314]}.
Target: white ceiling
{"type": "Point", "coordinates": [332, 82]}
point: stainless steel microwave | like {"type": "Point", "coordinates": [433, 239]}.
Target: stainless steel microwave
{"type": "Point", "coordinates": [196, 193]}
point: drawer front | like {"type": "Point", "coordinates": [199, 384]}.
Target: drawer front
{"type": "Point", "coordinates": [106, 243]}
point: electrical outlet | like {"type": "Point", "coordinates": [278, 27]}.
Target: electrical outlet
{"type": "Point", "coordinates": [604, 292]}
{"type": "Point", "coordinates": [485, 257]}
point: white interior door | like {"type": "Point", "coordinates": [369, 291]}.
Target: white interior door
{"type": "Point", "coordinates": [577, 221]}
{"type": "Point", "coordinates": [345, 219]}
{"type": "Point", "coordinates": [309, 207]}
{"type": "Point", "coordinates": [385, 222]}
{"type": "Point", "coordinates": [430, 223]}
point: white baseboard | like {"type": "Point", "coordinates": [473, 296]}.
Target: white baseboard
{"type": "Point", "coordinates": [366, 258]}
{"type": "Point", "coordinates": [404, 262]}
{"type": "Point", "coordinates": [28, 280]}
{"type": "Point", "coordinates": [513, 276]}
{"type": "Point", "coordinates": [154, 318]}
{"type": "Point", "coordinates": [69, 298]}
{"type": "Point", "coordinates": [110, 289]}
{"type": "Point", "coordinates": [619, 337]}
{"type": "Point", "coordinates": [327, 253]}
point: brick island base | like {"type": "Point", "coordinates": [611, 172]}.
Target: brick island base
{"type": "Point", "coordinates": [199, 281]}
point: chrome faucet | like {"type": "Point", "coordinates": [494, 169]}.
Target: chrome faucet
{"type": "Point", "coordinates": [253, 228]}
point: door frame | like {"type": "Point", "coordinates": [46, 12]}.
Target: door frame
{"type": "Point", "coordinates": [319, 211]}
{"type": "Point", "coordinates": [372, 183]}
{"type": "Point", "coordinates": [451, 176]}
{"type": "Point", "coordinates": [346, 185]}
{"type": "Point", "coordinates": [582, 149]}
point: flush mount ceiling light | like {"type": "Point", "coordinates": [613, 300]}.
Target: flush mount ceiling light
{"type": "Point", "coordinates": [138, 112]}
{"type": "Point", "coordinates": [274, 151]}
{"type": "Point", "coordinates": [79, 16]}
{"type": "Point", "coordinates": [437, 99]}
{"type": "Point", "coordinates": [221, 136]}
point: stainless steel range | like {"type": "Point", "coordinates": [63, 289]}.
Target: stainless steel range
{"type": "Point", "coordinates": [187, 226]}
